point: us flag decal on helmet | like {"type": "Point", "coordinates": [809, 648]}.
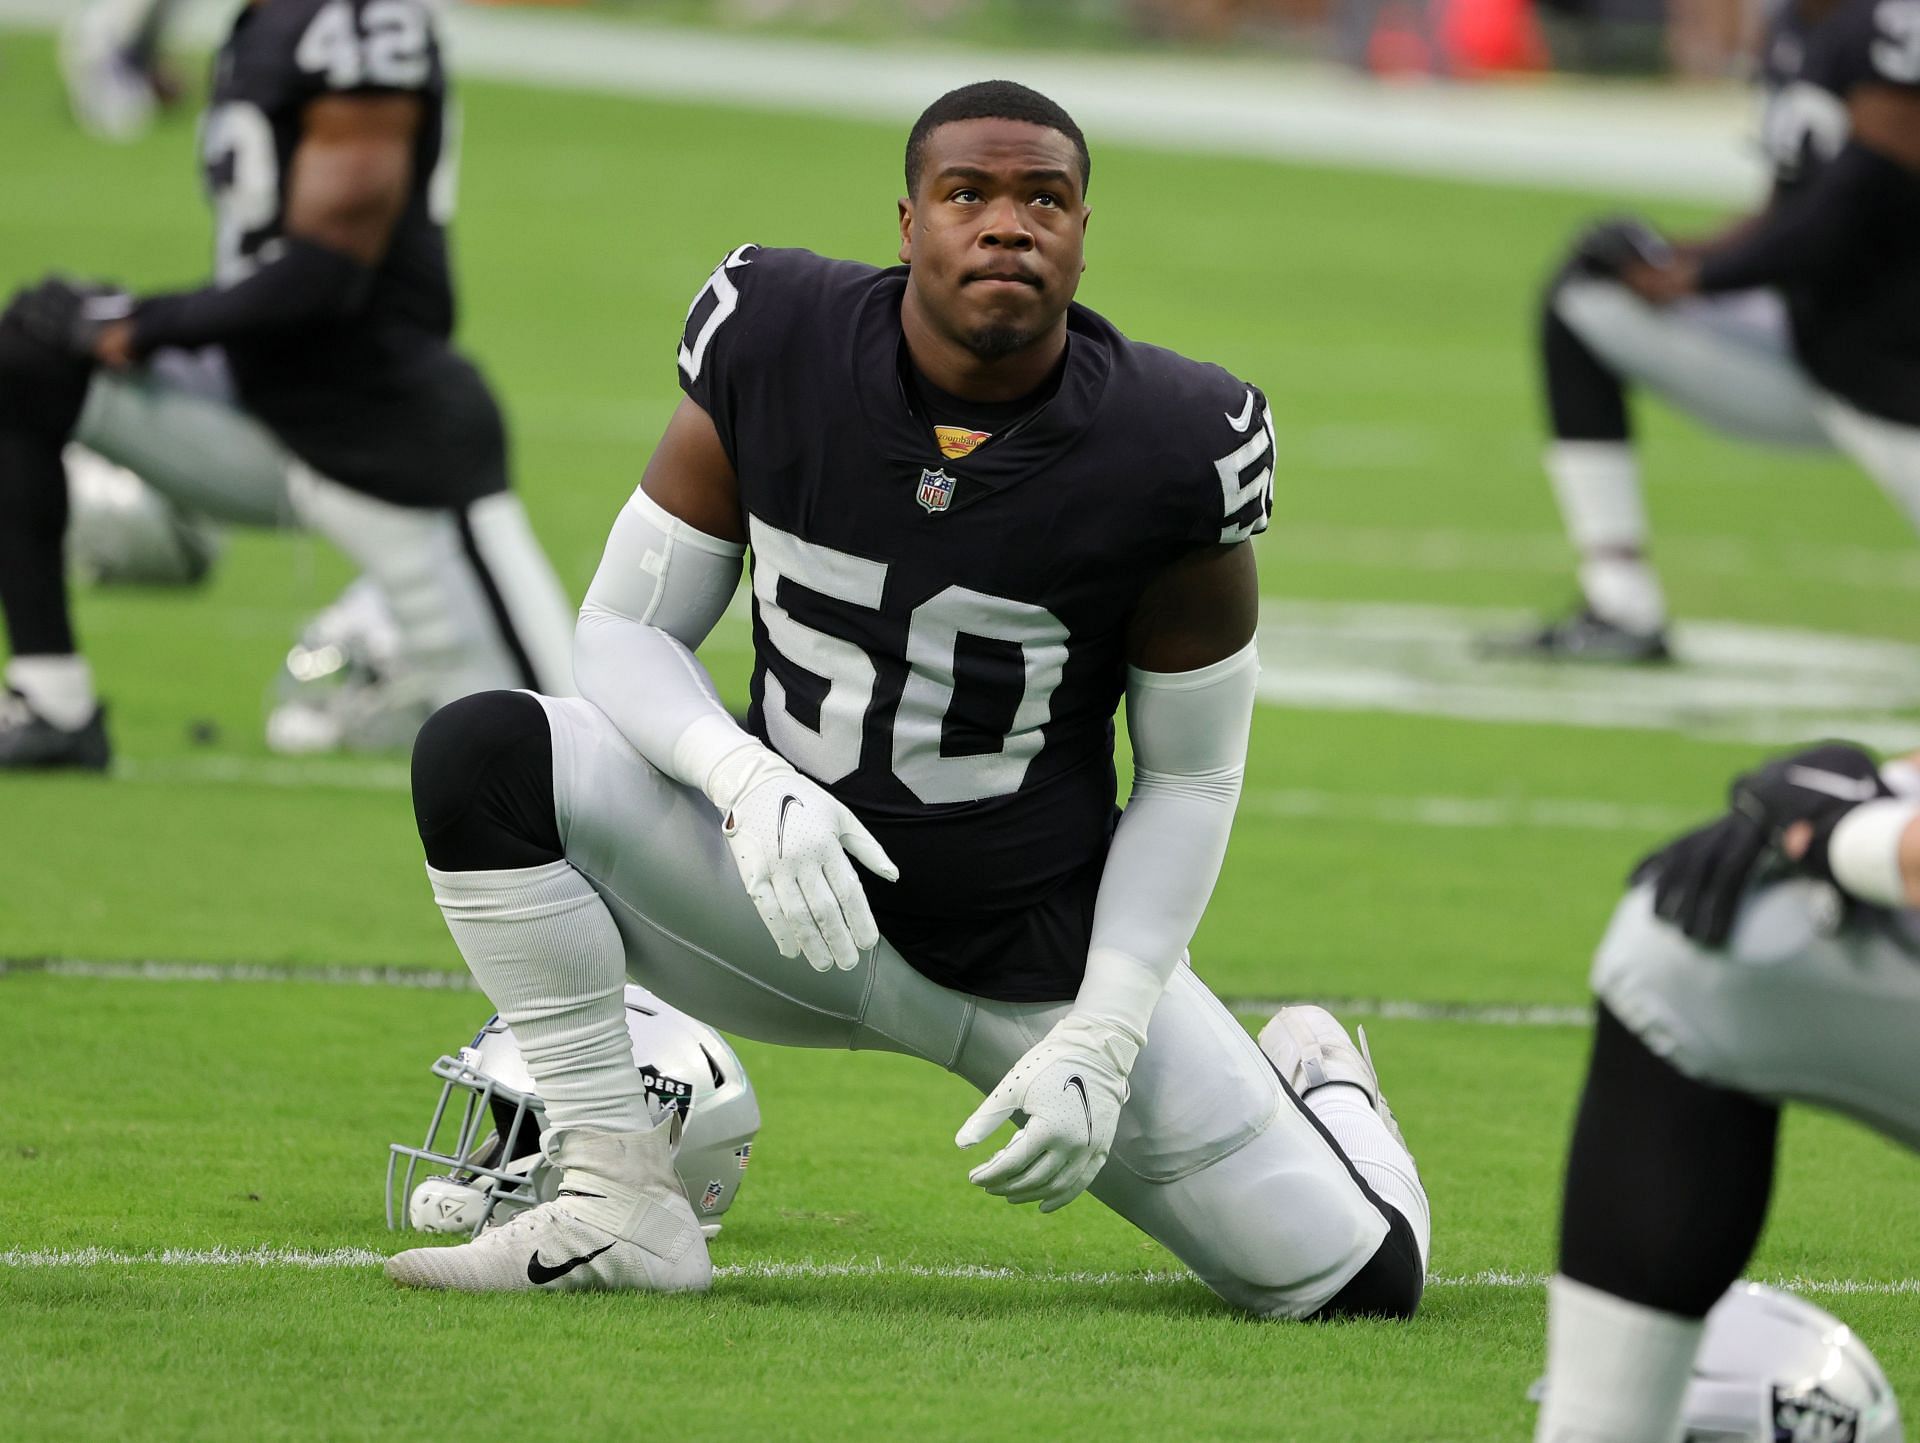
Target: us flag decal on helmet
{"type": "Point", "coordinates": [936, 490]}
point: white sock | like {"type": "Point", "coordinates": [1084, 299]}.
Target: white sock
{"type": "Point", "coordinates": [59, 688]}
{"type": "Point", "coordinates": [1616, 1371]}
{"type": "Point", "coordinates": [1347, 1112]}
{"type": "Point", "coordinates": [1598, 487]}
{"type": "Point", "coordinates": [543, 947]}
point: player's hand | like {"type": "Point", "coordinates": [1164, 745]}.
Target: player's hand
{"type": "Point", "coordinates": [1662, 285]}
{"type": "Point", "coordinates": [791, 840]}
{"type": "Point", "coordinates": [1609, 247]}
{"type": "Point", "coordinates": [1788, 808]}
{"type": "Point", "coordinates": [69, 316]}
{"type": "Point", "coordinates": [1070, 1086]}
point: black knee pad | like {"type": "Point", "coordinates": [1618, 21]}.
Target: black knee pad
{"type": "Point", "coordinates": [483, 785]}
{"type": "Point", "coordinates": [41, 390]}
{"type": "Point", "coordinates": [1390, 1285]}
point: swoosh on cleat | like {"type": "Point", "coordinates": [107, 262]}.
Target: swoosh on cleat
{"type": "Point", "coordinates": [539, 1274]}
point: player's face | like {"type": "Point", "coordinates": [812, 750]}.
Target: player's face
{"type": "Point", "coordinates": [996, 235]}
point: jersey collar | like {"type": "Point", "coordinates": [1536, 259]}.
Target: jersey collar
{"type": "Point", "coordinates": [903, 434]}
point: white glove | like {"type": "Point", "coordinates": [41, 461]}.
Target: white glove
{"type": "Point", "coordinates": [1071, 1086]}
{"type": "Point", "coordinates": [790, 840]}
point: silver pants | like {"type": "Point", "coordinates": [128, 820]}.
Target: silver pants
{"type": "Point", "coordinates": [1213, 1157]}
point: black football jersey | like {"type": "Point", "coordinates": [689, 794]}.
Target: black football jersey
{"type": "Point", "coordinates": [1857, 331]}
{"type": "Point", "coordinates": [377, 400]}
{"type": "Point", "coordinates": [940, 640]}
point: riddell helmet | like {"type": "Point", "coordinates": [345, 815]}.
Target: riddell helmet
{"type": "Point", "coordinates": [1773, 1368]}
{"type": "Point", "coordinates": [483, 1146]}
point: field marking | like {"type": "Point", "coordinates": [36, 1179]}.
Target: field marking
{"type": "Point", "coordinates": [1640, 139]}
{"type": "Point", "coordinates": [809, 1270]}
{"type": "Point", "coordinates": [427, 979]}
{"type": "Point", "coordinates": [1733, 681]}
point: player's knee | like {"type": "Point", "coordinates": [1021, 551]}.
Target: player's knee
{"type": "Point", "coordinates": [1391, 1283]}
{"type": "Point", "coordinates": [483, 785]}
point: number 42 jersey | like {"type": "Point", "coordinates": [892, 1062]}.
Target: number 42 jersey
{"type": "Point", "coordinates": [377, 400]}
{"type": "Point", "coordinates": [939, 628]}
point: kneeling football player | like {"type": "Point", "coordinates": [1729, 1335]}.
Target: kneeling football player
{"type": "Point", "coordinates": [1797, 327]}
{"type": "Point", "coordinates": [979, 516]}
{"type": "Point", "coordinates": [1772, 955]}
{"type": "Point", "coordinates": [313, 384]}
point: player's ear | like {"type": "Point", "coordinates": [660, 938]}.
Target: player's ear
{"type": "Point", "coordinates": [1086, 214]}
{"type": "Point", "coordinates": [906, 231]}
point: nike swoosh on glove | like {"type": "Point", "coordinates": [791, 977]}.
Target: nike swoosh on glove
{"type": "Point", "coordinates": [1070, 1086]}
{"type": "Point", "coordinates": [790, 839]}
{"type": "Point", "coordinates": [1699, 879]}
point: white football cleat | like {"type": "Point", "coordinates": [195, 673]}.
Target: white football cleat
{"type": "Point", "coordinates": [1310, 1049]}
{"type": "Point", "coordinates": [621, 1222]}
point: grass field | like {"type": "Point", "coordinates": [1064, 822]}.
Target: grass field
{"type": "Point", "coordinates": [867, 1290]}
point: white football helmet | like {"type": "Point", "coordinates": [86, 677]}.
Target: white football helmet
{"type": "Point", "coordinates": [489, 1146]}
{"type": "Point", "coordinates": [343, 686]}
{"type": "Point", "coordinates": [1773, 1368]}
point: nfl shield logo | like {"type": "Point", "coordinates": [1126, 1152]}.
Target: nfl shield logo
{"type": "Point", "coordinates": [936, 490]}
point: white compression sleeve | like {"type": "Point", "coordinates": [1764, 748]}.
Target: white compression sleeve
{"type": "Point", "coordinates": [1189, 734]}
{"type": "Point", "coordinates": [660, 588]}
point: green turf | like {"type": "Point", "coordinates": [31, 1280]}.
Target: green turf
{"type": "Point", "coordinates": [1388, 320]}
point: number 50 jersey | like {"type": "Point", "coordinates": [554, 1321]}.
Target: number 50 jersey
{"type": "Point", "coordinates": [941, 641]}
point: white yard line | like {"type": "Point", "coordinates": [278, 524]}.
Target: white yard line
{"type": "Point", "coordinates": [1632, 138]}
{"type": "Point", "coordinates": [1578, 814]}
{"type": "Point", "coordinates": [812, 1271]}
{"type": "Point", "coordinates": [426, 979]}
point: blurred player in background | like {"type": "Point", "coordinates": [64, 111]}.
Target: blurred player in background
{"type": "Point", "coordinates": [312, 383]}
{"type": "Point", "coordinates": [1773, 954]}
{"type": "Point", "coordinates": [112, 59]}
{"type": "Point", "coordinates": [1799, 326]}
{"type": "Point", "coordinates": [980, 517]}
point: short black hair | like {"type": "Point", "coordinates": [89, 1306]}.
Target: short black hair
{"type": "Point", "coordinates": [992, 100]}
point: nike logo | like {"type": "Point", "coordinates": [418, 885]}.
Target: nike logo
{"type": "Point", "coordinates": [1245, 418]}
{"type": "Point", "coordinates": [539, 1274]}
{"type": "Point", "coordinates": [569, 1192]}
{"type": "Point", "coordinates": [1832, 784]}
{"type": "Point", "coordinates": [780, 827]}
{"type": "Point", "coordinates": [1080, 1087]}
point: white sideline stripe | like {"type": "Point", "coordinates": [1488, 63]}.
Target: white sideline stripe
{"type": "Point", "coordinates": [1543, 813]}
{"type": "Point", "coordinates": [1640, 139]}
{"type": "Point", "coordinates": [814, 1271]}
{"type": "Point", "coordinates": [425, 979]}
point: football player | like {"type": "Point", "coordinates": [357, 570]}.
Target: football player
{"type": "Point", "coordinates": [111, 60]}
{"type": "Point", "coordinates": [1799, 326]}
{"type": "Point", "coordinates": [979, 516]}
{"type": "Point", "coordinates": [1774, 954]}
{"type": "Point", "coordinates": [312, 383]}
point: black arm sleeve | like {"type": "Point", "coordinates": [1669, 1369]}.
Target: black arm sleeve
{"type": "Point", "coordinates": [1810, 233]}
{"type": "Point", "coordinates": [305, 282]}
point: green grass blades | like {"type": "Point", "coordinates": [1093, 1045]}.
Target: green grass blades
{"type": "Point", "coordinates": [865, 1288]}
{"type": "Point", "coordinates": [871, 1292]}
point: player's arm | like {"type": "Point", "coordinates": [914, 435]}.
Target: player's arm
{"type": "Point", "coordinates": [1811, 232]}
{"type": "Point", "coordinates": [671, 566]}
{"type": "Point", "coordinates": [1190, 693]}
{"type": "Point", "coordinates": [350, 179]}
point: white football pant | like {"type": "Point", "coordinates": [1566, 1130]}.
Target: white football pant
{"type": "Point", "coordinates": [477, 605]}
{"type": "Point", "coordinates": [1791, 1009]}
{"type": "Point", "coordinates": [1727, 360]}
{"type": "Point", "coordinates": [1213, 1157]}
